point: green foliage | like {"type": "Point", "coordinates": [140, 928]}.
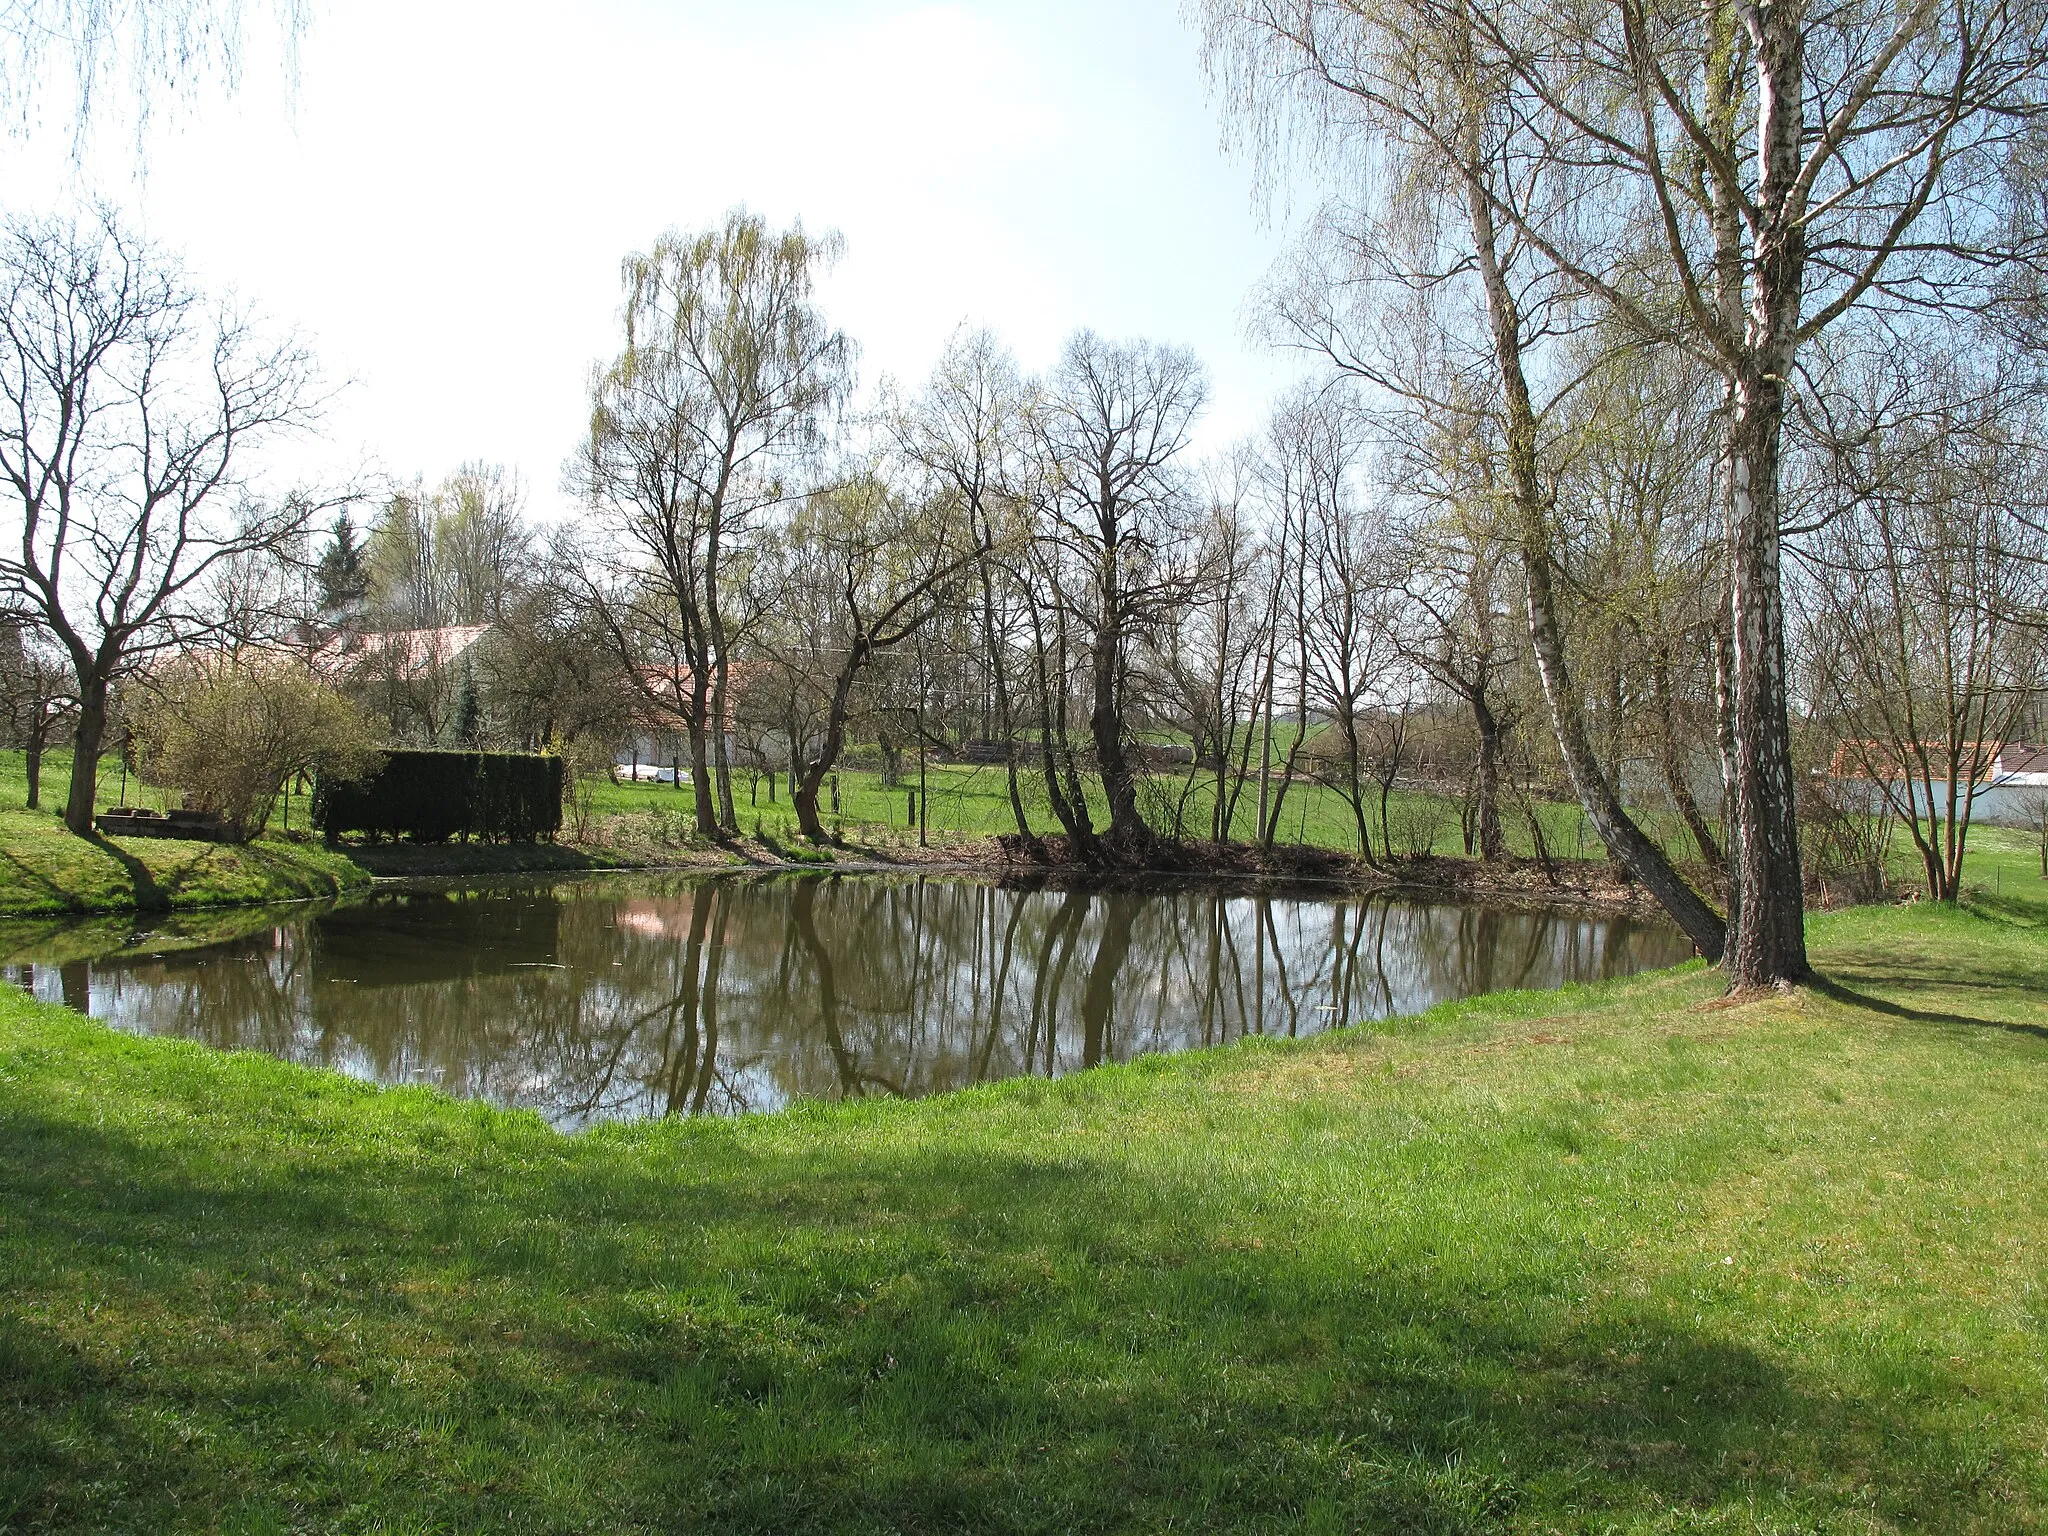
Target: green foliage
{"type": "Point", "coordinates": [1582, 1262]}
{"type": "Point", "coordinates": [468, 711]}
{"type": "Point", "coordinates": [432, 796]}
{"type": "Point", "coordinates": [230, 736]}
{"type": "Point", "coordinates": [343, 576]}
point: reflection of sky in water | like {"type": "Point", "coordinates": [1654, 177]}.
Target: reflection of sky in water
{"type": "Point", "coordinates": [638, 997]}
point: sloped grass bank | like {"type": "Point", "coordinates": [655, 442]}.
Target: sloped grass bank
{"type": "Point", "coordinates": [1620, 1258]}
{"type": "Point", "coordinates": [45, 870]}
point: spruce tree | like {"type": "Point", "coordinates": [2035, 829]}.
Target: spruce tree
{"type": "Point", "coordinates": [343, 574]}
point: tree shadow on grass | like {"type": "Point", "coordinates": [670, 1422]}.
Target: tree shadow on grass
{"type": "Point", "coordinates": [754, 1338]}
{"type": "Point", "coordinates": [22, 872]}
{"type": "Point", "coordinates": [1841, 993]}
{"type": "Point", "coordinates": [150, 896]}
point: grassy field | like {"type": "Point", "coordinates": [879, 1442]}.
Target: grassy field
{"type": "Point", "coordinates": [969, 800]}
{"type": "Point", "coordinates": [43, 871]}
{"type": "Point", "coordinates": [1616, 1259]}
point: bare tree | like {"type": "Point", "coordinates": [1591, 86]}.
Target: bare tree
{"type": "Point", "coordinates": [1926, 587]}
{"type": "Point", "coordinates": [1110, 430]}
{"type": "Point", "coordinates": [37, 694]}
{"type": "Point", "coordinates": [966, 429]}
{"type": "Point", "coordinates": [132, 410]}
{"type": "Point", "coordinates": [1453, 566]}
{"type": "Point", "coordinates": [1210, 656]}
{"type": "Point", "coordinates": [1348, 650]}
{"type": "Point", "coordinates": [863, 569]}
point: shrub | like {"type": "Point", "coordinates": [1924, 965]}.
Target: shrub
{"type": "Point", "coordinates": [228, 735]}
{"type": "Point", "coordinates": [1845, 840]}
{"type": "Point", "coordinates": [430, 797]}
{"type": "Point", "coordinates": [1414, 821]}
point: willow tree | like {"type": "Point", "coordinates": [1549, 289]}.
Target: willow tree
{"type": "Point", "coordinates": [164, 48]}
{"type": "Point", "coordinates": [706, 420]}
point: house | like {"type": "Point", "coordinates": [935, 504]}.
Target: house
{"type": "Point", "coordinates": [403, 654]}
{"type": "Point", "coordinates": [2008, 775]}
{"type": "Point", "coordinates": [2021, 767]}
{"type": "Point", "coordinates": [414, 679]}
{"type": "Point", "coordinates": [658, 748]}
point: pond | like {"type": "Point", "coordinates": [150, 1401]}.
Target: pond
{"type": "Point", "coordinates": [630, 997]}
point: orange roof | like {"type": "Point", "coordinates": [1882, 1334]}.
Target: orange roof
{"type": "Point", "coordinates": [415, 652]}
{"type": "Point", "coordinates": [1856, 759]}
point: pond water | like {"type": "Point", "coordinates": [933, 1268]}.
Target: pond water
{"type": "Point", "coordinates": [626, 998]}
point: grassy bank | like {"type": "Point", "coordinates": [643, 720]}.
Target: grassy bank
{"type": "Point", "coordinates": [636, 825]}
{"type": "Point", "coordinates": [1621, 1258]}
{"type": "Point", "coordinates": [44, 869]}
{"type": "Point", "coordinates": [971, 801]}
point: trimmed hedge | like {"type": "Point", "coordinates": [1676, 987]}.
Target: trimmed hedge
{"type": "Point", "coordinates": [494, 797]}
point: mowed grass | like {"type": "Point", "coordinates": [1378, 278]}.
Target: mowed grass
{"type": "Point", "coordinates": [973, 800]}
{"type": "Point", "coordinates": [1620, 1258]}
{"type": "Point", "coordinates": [44, 869]}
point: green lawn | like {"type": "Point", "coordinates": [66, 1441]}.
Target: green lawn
{"type": "Point", "coordinates": [1616, 1259]}
{"type": "Point", "coordinates": [44, 869]}
{"type": "Point", "coordinates": [971, 800]}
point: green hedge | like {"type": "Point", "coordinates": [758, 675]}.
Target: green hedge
{"type": "Point", "coordinates": [430, 797]}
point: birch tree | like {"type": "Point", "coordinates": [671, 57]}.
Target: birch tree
{"type": "Point", "coordinates": [1730, 180]}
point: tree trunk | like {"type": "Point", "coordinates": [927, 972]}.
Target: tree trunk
{"type": "Point", "coordinates": [700, 767]}
{"type": "Point", "coordinates": [1724, 727]}
{"type": "Point", "coordinates": [1005, 721]}
{"type": "Point", "coordinates": [33, 763]}
{"type": "Point", "coordinates": [1071, 811]}
{"type": "Point", "coordinates": [803, 792]}
{"type": "Point", "coordinates": [1127, 829]}
{"type": "Point", "coordinates": [1354, 778]}
{"type": "Point", "coordinates": [1768, 944]}
{"type": "Point", "coordinates": [1493, 841]}
{"type": "Point", "coordinates": [1624, 839]}
{"type": "Point", "coordinates": [85, 754]}
{"type": "Point", "coordinates": [721, 760]}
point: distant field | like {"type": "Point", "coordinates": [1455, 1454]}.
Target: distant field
{"type": "Point", "coordinates": [972, 799]}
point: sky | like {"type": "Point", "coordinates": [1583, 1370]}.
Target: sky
{"type": "Point", "coordinates": [439, 197]}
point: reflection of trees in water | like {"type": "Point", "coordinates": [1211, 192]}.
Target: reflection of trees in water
{"type": "Point", "coordinates": [658, 998]}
